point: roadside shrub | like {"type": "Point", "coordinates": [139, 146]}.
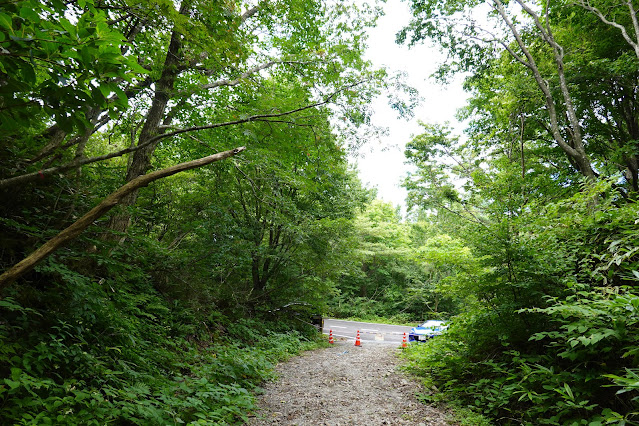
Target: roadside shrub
{"type": "Point", "coordinates": [551, 335]}
{"type": "Point", "coordinates": [584, 375]}
{"type": "Point", "coordinates": [92, 353]}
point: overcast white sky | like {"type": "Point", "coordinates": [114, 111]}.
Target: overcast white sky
{"type": "Point", "coordinates": [383, 164]}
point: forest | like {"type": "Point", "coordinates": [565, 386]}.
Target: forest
{"type": "Point", "coordinates": [178, 201]}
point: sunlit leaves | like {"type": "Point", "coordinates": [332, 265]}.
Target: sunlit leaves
{"type": "Point", "coordinates": [54, 66]}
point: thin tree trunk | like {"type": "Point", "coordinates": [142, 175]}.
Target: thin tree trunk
{"type": "Point", "coordinates": [574, 148]}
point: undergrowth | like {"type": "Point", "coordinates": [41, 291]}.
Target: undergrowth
{"type": "Point", "coordinates": [578, 379]}
{"type": "Point", "coordinates": [117, 352]}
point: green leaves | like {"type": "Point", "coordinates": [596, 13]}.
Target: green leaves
{"type": "Point", "coordinates": [551, 306]}
{"type": "Point", "coordinates": [94, 354]}
{"type": "Point", "coordinates": [138, 336]}
{"type": "Point", "coordinates": [53, 63]}
{"type": "Point", "coordinates": [6, 22]}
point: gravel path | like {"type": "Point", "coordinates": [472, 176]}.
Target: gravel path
{"type": "Point", "coordinates": [344, 385]}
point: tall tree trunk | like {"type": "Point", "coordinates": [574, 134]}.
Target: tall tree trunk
{"type": "Point", "coordinates": [258, 282]}
{"type": "Point", "coordinates": [163, 91]}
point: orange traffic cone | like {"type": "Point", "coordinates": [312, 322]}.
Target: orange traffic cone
{"type": "Point", "coordinates": [404, 341]}
{"type": "Point", "coordinates": [330, 337]}
{"type": "Point", "coordinates": [357, 342]}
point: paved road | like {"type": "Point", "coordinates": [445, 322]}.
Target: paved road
{"type": "Point", "coordinates": [369, 332]}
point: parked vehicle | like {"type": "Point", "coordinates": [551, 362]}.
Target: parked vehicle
{"type": "Point", "coordinates": [427, 330]}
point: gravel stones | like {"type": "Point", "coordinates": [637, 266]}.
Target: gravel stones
{"type": "Point", "coordinates": [344, 385]}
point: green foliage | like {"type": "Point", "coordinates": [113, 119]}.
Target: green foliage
{"type": "Point", "coordinates": [547, 335]}
{"type": "Point", "coordinates": [548, 355]}
{"type": "Point", "coordinates": [138, 333]}
{"type": "Point", "coordinates": [177, 315]}
{"type": "Point", "coordinates": [404, 272]}
{"type": "Point", "coordinates": [127, 355]}
{"type": "Point", "coordinates": [58, 59]}
{"type": "Point", "coordinates": [221, 268]}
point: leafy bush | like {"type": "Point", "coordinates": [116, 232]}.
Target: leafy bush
{"type": "Point", "coordinates": [118, 352]}
{"type": "Point", "coordinates": [560, 354]}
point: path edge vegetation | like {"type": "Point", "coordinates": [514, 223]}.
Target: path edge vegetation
{"type": "Point", "coordinates": [542, 191]}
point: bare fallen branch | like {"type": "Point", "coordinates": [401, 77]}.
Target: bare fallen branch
{"type": "Point", "coordinates": [100, 210]}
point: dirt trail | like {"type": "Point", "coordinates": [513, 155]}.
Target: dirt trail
{"type": "Point", "coordinates": [344, 385]}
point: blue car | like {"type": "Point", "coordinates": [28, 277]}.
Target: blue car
{"type": "Point", "coordinates": [427, 330]}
